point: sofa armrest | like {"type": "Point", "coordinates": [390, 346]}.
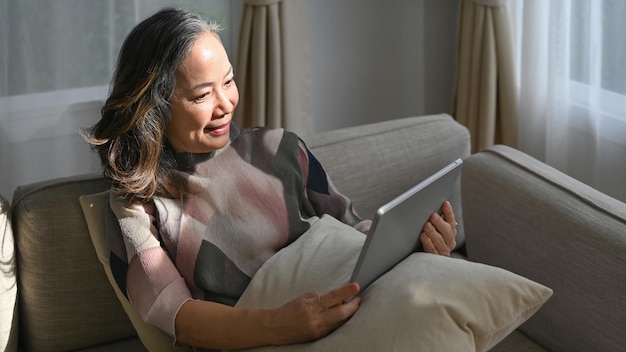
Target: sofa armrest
{"type": "Point", "coordinates": [8, 281]}
{"type": "Point", "coordinates": [65, 300]}
{"type": "Point", "coordinates": [531, 219]}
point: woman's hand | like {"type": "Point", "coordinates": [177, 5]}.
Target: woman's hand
{"type": "Point", "coordinates": [439, 233]}
{"type": "Point", "coordinates": [312, 316]}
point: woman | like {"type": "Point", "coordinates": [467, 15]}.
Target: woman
{"type": "Point", "coordinates": [202, 204]}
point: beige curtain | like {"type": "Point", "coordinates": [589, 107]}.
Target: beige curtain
{"type": "Point", "coordinates": [273, 66]}
{"type": "Point", "coordinates": [485, 89]}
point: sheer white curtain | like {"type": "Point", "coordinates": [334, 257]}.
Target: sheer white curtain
{"type": "Point", "coordinates": [571, 64]}
{"type": "Point", "coordinates": [56, 62]}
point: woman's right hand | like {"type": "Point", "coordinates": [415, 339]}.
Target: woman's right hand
{"type": "Point", "coordinates": [217, 326]}
{"type": "Point", "coordinates": [312, 316]}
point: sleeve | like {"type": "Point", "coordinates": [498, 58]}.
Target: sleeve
{"type": "Point", "coordinates": [153, 285]}
{"type": "Point", "coordinates": [322, 197]}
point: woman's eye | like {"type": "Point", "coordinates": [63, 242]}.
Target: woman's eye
{"type": "Point", "coordinates": [230, 81]}
{"type": "Point", "coordinates": [201, 97]}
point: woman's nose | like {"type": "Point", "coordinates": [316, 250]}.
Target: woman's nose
{"type": "Point", "coordinates": [223, 105]}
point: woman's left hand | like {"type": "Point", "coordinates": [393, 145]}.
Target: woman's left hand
{"type": "Point", "coordinates": [439, 233]}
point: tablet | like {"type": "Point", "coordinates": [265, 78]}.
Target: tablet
{"type": "Point", "coordinates": [397, 225]}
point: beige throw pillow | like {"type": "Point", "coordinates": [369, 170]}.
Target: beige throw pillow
{"type": "Point", "coordinates": [426, 303]}
{"type": "Point", "coordinates": [93, 208]}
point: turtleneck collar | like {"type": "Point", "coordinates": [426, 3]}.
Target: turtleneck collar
{"type": "Point", "coordinates": [188, 161]}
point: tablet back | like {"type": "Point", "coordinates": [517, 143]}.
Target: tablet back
{"type": "Point", "coordinates": [395, 230]}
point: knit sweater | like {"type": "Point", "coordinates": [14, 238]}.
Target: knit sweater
{"type": "Point", "coordinates": [248, 200]}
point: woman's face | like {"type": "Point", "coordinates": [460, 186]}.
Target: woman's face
{"type": "Point", "coordinates": [204, 98]}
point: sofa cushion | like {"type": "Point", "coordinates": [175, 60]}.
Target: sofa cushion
{"type": "Point", "coordinates": [426, 303]}
{"type": "Point", "coordinates": [517, 342]}
{"type": "Point", "coordinates": [94, 207]}
{"type": "Point", "coordinates": [65, 300]}
{"type": "Point", "coordinates": [132, 344]}
{"type": "Point", "coordinates": [8, 281]}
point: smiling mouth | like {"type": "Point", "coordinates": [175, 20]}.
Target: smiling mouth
{"type": "Point", "coordinates": [219, 130]}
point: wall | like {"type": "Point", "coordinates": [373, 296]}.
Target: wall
{"type": "Point", "coordinates": [375, 60]}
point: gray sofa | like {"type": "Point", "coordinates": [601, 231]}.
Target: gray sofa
{"type": "Point", "coordinates": [517, 213]}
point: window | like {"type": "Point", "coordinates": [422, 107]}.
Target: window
{"type": "Point", "coordinates": [56, 62]}
{"type": "Point", "coordinates": [60, 55]}
{"type": "Point", "coordinates": [573, 88]}
{"type": "Point", "coordinates": [66, 44]}
{"type": "Point", "coordinates": [598, 57]}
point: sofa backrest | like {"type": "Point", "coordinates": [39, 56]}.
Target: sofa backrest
{"type": "Point", "coordinates": [65, 300]}
{"type": "Point", "coordinates": [372, 164]}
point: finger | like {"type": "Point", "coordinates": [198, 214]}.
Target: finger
{"type": "Point", "coordinates": [445, 229]}
{"type": "Point", "coordinates": [339, 313]}
{"type": "Point", "coordinates": [448, 214]}
{"type": "Point", "coordinates": [428, 245]}
{"type": "Point", "coordinates": [441, 247]}
{"type": "Point", "coordinates": [337, 296]}
{"type": "Point", "coordinates": [313, 300]}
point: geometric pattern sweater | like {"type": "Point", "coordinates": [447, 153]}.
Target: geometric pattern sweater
{"type": "Point", "coordinates": [247, 200]}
